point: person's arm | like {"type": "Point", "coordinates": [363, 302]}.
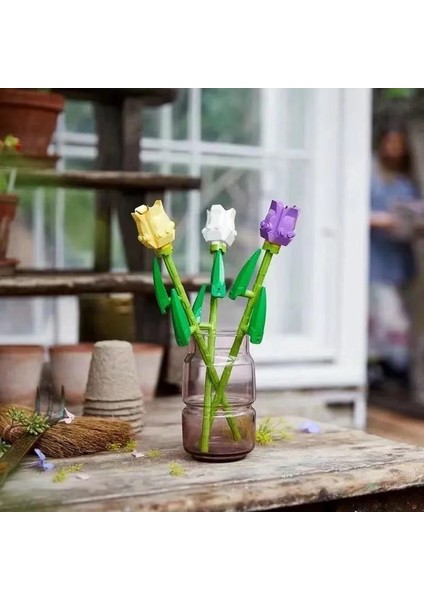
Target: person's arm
{"type": "Point", "coordinates": [383, 221]}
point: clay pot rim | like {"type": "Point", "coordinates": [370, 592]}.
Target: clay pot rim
{"type": "Point", "coordinates": [71, 348]}
{"type": "Point", "coordinates": [21, 349]}
{"type": "Point", "coordinates": [32, 98]}
{"type": "Point", "coordinates": [8, 198]}
{"type": "Point", "coordinates": [6, 262]}
{"type": "Point", "coordinates": [141, 346]}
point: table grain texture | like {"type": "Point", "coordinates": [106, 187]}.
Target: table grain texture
{"type": "Point", "coordinates": [337, 469]}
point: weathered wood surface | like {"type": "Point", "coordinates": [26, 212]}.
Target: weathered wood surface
{"type": "Point", "coordinates": [335, 464]}
{"type": "Point", "coordinates": [150, 96]}
{"type": "Point", "coordinates": [73, 284]}
{"type": "Point", "coordinates": [107, 180]}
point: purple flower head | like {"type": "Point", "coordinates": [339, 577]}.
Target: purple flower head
{"type": "Point", "coordinates": [46, 466]}
{"type": "Point", "coordinates": [278, 226]}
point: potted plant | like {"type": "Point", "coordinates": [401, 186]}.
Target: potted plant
{"type": "Point", "coordinates": [31, 115]}
{"type": "Point", "coordinates": [8, 202]}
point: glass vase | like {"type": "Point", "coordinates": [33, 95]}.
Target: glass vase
{"type": "Point", "coordinates": [224, 432]}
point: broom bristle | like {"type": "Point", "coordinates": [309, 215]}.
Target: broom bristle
{"type": "Point", "coordinates": [85, 435]}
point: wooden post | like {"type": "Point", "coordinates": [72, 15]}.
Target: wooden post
{"type": "Point", "coordinates": [150, 326]}
{"type": "Point", "coordinates": [108, 125]}
{"type": "Point", "coordinates": [119, 130]}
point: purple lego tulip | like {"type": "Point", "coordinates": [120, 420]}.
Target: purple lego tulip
{"type": "Point", "coordinates": [278, 226]}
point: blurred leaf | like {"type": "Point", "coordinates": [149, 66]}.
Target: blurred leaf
{"type": "Point", "coordinates": [398, 93]}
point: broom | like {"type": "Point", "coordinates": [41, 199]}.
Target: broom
{"type": "Point", "coordinates": [85, 435]}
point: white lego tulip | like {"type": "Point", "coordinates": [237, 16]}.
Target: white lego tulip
{"type": "Point", "coordinates": [220, 225]}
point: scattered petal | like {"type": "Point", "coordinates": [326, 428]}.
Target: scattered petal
{"type": "Point", "coordinates": [46, 466]}
{"type": "Point", "coordinates": [40, 455]}
{"type": "Point", "coordinates": [68, 419]}
{"type": "Point", "coordinates": [82, 476]}
{"type": "Point", "coordinates": [137, 454]}
{"type": "Point", "coordinates": [310, 427]}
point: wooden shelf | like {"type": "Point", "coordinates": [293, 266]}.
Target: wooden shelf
{"type": "Point", "coordinates": [107, 180]}
{"type": "Point", "coordinates": [150, 96]}
{"type": "Point", "coordinates": [62, 283]}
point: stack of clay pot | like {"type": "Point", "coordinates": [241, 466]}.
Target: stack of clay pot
{"type": "Point", "coordinates": [113, 389]}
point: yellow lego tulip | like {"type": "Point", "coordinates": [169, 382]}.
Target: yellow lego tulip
{"type": "Point", "coordinates": [155, 228]}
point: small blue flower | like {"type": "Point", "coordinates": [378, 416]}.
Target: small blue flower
{"type": "Point", "coordinates": [46, 466]}
{"type": "Point", "coordinates": [310, 427]}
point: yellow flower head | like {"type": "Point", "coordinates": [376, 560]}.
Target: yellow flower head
{"type": "Point", "coordinates": [155, 228]}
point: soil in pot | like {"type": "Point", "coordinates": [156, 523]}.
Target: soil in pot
{"type": "Point", "coordinates": [20, 370]}
{"type": "Point", "coordinates": [31, 116]}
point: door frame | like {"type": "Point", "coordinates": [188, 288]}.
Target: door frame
{"type": "Point", "coordinates": [333, 350]}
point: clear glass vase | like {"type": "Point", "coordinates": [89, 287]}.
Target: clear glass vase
{"type": "Point", "coordinates": [224, 432]}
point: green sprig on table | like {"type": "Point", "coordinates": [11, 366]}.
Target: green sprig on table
{"type": "Point", "coordinates": [33, 424]}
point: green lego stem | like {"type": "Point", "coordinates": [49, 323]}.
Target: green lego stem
{"type": "Point", "coordinates": [242, 330]}
{"type": "Point", "coordinates": [213, 375]}
{"type": "Point", "coordinates": [207, 408]}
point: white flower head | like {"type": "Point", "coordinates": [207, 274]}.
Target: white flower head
{"type": "Point", "coordinates": [220, 225]}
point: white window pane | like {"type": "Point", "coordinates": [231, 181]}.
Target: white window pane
{"type": "Point", "coordinates": [180, 115]}
{"type": "Point", "coordinates": [151, 123]}
{"type": "Point", "coordinates": [231, 115]}
{"type": "Point", "coordinates": [239, 189]}
{"type": "Point", "coordinates": [179, 212]}
{"type": "Point", "coordinates": [79, 117]}
{"type": "Point", "coordinates": [298, 102]}
{"type": "Point", "coordinates": [290, 269]}
{"type": "Point", "coordinates": [77, 231]}
{"type": "Point", "coordinates": [16, 317]}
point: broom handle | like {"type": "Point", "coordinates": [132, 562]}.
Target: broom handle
{"type": "Point", "coordinates": [16, 453]}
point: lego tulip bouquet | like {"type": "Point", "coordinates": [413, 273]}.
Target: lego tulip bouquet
{"type": "Point", "coordinates": [219, 383]}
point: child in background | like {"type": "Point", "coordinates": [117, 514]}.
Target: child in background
{"type": "Point", "coordinates": [391, 261]}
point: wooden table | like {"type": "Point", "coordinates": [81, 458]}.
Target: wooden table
{"type": "Point", "coordinates": [337, 469]}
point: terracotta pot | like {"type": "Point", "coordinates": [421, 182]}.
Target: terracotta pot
{"type": "Point", "coordinates": [148, 361]}
{"type": "Point", "coordinates": [69, 367]}
{"type": "Point", "coordinates": [31, 116]}
{"type": "Point", "coordinates": [20, 370]}
{"type": "Point", "coordinates": [8, 204]}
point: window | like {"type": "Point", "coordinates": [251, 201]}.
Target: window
{"type": "Point", "coordinates": [249, 146]}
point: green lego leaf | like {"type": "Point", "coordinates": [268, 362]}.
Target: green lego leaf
{"type": "Point", "coordinates": [242, 280]}
{"type": "Point", "coordinates": [161, 294]}
{"type": "Point", "coordinates": [218, 288]}
{"type": "Point", "coordinates": [257, 322]}
{"type": "Point", "coordinates": [198, 303]}
{"type": "Point", "coordinates": [179, 320]}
